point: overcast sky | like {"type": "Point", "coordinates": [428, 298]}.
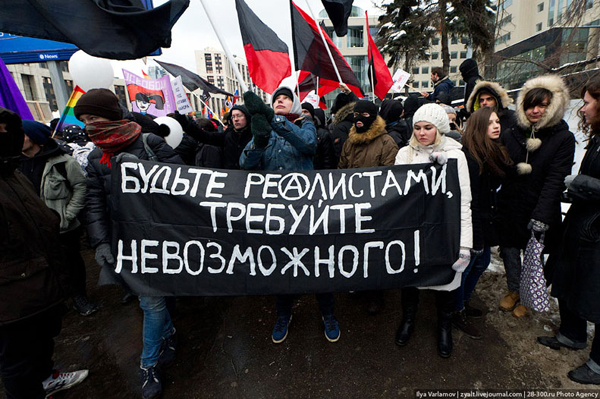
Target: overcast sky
{"type": "Point", "coordinates": [194, 32]}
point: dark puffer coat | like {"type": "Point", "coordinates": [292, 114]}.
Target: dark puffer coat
{"type": "Point", "coordinates": [32, 275]}
{"type": "Point", "coordinates": [576, 265]}
{"type": "Point", "coordinates": [99, 184]}
{"type": "Point", "coordinates": [340, 128]}
{"type": "Point", "coordinates": [536, 195]}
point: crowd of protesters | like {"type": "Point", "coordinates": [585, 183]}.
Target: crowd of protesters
{"type": "Point", "coordinates": [513, 168]}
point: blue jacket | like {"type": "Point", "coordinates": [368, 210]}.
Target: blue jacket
{"type": "Point", "coordinates": [290, 147]}
{"type": "Point", "coordinates": [444, 85]}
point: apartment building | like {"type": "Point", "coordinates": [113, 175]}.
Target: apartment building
{"type": "Point", "coordinates": [213, 65]}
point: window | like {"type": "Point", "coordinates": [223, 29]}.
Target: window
{"type": "Point", "coordinates": [435, 41]}
{"type": "Point", "coordinates": [425, 84]}
{"type": "Point", "coordinates": [207, 56]}
{"type": "Point", "coordinates": [464, 40]}
{"type": "Point", "coordinates": [43, 65]}
{"type": "Point", "coordinates": [425, 70]}
{"type": "Point", "coordinates": [463, 54]}
{"type": "Point", "coordinates": [435, 55]}
{"type": "Point", "coordinates": [355, 36]}
{"type": "Point", "coordinates": [454, 40]}
{"type": "Point", "coordinates": [506, 20]}
{"type": "Point", "coordinates": [461, 82]}
{"type": "Point", "coordinates": [503, 38]}
{"type": "Point", "coordinates": [540, 7]}
{"type": "Point", "coordinates": [454, 55]}
{"type": "Point", "coordinates": [415, 71]}
{"type": "Point", "coordinates": [50, 96]}
{"type": "Point", "coordinates": [120, 92]}
{"type": "Point", "coordinates": [505, 4]}
{"type": "Point", "coordinates": [453, 69]}
{"type": "Point", "coordinates": [551, 22]}
{"type": "Point", "coordinates": [28, 87]}
{"type": "Point", "coordinates": [589, 4]}
{"type": "Point", "coordinates": [415, 85]}
{"type": "Point", "coordinates": [538, 27]}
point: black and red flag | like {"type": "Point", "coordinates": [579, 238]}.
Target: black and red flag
{"type": "Point", "coordinates": [267, 55]}
{"type": "Point", "coordinates": [310, 54]}
{"type": "Point", "coordinates": [338, 12]}
{"type": "Point", "coordinates": [379, 74]}
{"type": "Point", "coordinates": [192, 81]}
{"type": "Point", "coordinates": [118, 30]}
{"type": "Point", "coordinates": [310, 83]}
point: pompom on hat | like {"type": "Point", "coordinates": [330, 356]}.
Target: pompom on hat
{"type": "Point", "coordinates": [434, 114]}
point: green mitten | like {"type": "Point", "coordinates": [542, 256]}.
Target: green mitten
{"type": "Point", "coordinates": [255, 105]}
{"type": "Point", "coordinates": [261, 130]}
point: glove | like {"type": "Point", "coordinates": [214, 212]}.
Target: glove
{"type": "Point", "coordinates": [569, 180]}
{"type": "Point", "coordinates": [537, 226]}
{"type": "Point", "coordinates": [103, 255]}
{"type": "Point", "coordinates": [261, 130]}
{"type": "Point", "coordinates": [439, 157]}
{"type": "Point", "coordinates": [184, 120]}
{"type": "Point", "coordinates": [255, 105]}
{"type": "Point", "coordinates": [163, 130]}
{"type": "Point", "coordinates": [464, 257]}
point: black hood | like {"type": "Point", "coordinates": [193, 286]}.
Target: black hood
{"type": "Point", "coordinates": [468, 69]}
{"type": "Point", "coordinates": [391, 110]}
{"type": "Point", "coordinates": [411, 105]}
{"type": "Point", "coordinates": [320, 117]}
{"type": "Point", "coordinates": [11, 143]}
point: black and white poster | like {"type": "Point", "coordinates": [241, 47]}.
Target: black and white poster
{"type": "Point", "coordinates": [181, 230]}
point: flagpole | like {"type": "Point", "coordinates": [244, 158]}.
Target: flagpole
{"type": "Point", "coordinates": [372, 80]}
{"type": "Point", "coordinates": [370, 50]}
{"type": "Point", "coordinates": [238, 75]}
{"type": "Point", "coordinates": [324, 42]}
{"type": "Point", "coordinates": [206, 105]}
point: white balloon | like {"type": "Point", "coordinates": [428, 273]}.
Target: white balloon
{"type": "Point", "coordinates": [90, 72]}
{"type": "Point", "coordinates": [174, 138]}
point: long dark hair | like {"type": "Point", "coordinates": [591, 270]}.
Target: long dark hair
{"type": "Point", "coordinates": [593, 88]}
{"type": "Point", "coordinates": [490, 154]}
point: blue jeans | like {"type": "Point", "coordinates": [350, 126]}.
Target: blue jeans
{"type": "Point", "coordinates": [512, 265]}
{"type": "Point", "coordinates": [471, 276]}
{"type": "Point", "coordinates": [157, 326]}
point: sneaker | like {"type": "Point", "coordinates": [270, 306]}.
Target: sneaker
{"type": "Point", "coordinates": [280, 331]}
{"type": "Point", "coordinates": [554, 343]}
{"type": "Point", "coordinates": [332, 328]}
{"type": "Point", "coordinates": [167, 351]}
{"type": "Point", "coordinates": [584, 375]}
{"type": "Point", "coordinates": [462, 322]}
{"type": "Point", "coordinates": [84, 306]}
{"type": "Point", "coordinates": [60, 381]}
{"type": "Point", "coordinates": [509, 301]}
{"type": "Point", "coordinates": [151, 385]}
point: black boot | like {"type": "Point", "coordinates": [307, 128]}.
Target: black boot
{"type": "Point", "coordinates": [462, 322]}
{"type": "Point", "coordinates": [444, 335]}
{"type": "Point", "coordinates": [405, 330]}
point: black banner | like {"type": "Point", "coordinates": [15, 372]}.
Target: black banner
{"type": "Point", "coordinates": [180, 230]}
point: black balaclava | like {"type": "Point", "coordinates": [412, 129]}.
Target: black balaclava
{"type": "Point", "coordinates": [364, 106]}
{"type": "Point", "coordinates": [11, 143]}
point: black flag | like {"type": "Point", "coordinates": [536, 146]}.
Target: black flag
{"type": "Point", "coordinates": [338, 11]}
{"type": "Point", "coordinates": [101, 28]}
{"type": "Point", "coordinates": [192, 81]}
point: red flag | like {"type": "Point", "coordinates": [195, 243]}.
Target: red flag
{"type": "Point", "coordinates": [267, 55]}
{"type": "Point", "coordinates": [308, 83]}
{"type": "Point", "coordinates": [310, 53]}
{"type": "Point", "coordinates": [378, 69]}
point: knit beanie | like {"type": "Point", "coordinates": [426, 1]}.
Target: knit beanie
{"type": "Point", "coordinates": [435, 115]}
{"type": "Point", "coordinates": [365, 106]}
{"type": "Point", "coordinates": [282, 90]}
{"type": "Point", "coordinates": [99, 102]}
{"type": "Point", "coordinates": [309, 107]}
{"type": "Point", "coordinates": [36, 131]}
{"type": "Point", "coordinates": [448, 109]}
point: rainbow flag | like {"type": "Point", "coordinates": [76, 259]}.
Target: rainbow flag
{"type": "Point", "coordinates": [68, 116]}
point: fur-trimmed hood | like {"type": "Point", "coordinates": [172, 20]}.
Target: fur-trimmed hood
{"type": "Point", "coordinates": [377, 129]}
{"type": "Point", "coordinates": [343, 113]}
{"type": "Point", "coordinates": [558, 104]}
{"type": "Point", "coordinates": [494, 89]}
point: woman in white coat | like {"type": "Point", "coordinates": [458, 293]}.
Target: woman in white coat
{"type": "Point", "coordinates": [429, 144]}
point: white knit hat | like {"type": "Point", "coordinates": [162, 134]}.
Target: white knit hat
{"type": "Point", "coordinates": [435, 115]}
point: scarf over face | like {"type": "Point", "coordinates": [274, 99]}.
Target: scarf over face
{"type": "Point", "coordinates": [112, 136]}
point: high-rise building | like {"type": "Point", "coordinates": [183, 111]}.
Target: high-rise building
{"type": "Point", "coordinates": [214, 66]}
{"type": "Point", "coordinates": [540, 36]}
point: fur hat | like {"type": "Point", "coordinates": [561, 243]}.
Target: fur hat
{"type": "Point", "coordinates": [435, 115]}
{"type": "Point", "coordinates": [99, 102]}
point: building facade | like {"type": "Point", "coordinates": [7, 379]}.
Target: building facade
{"type": "Point", "coordinates": [213, 65]}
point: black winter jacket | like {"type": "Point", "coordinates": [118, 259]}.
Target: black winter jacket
{"type": "Point", "coordinates": [535, 195]}
{"type": "Point", "coordinates": [32, 275]}
{"type": "Point", "coordinates": [576, 265]}
{"type": "Point", "coordinates": [99, 184]}
{"type": "Point", "coordinates": [200, 154]}
{"type": "Point", "coordinates": [340, 128]}
{"type": "Point", "coordinates": [400, 132]}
